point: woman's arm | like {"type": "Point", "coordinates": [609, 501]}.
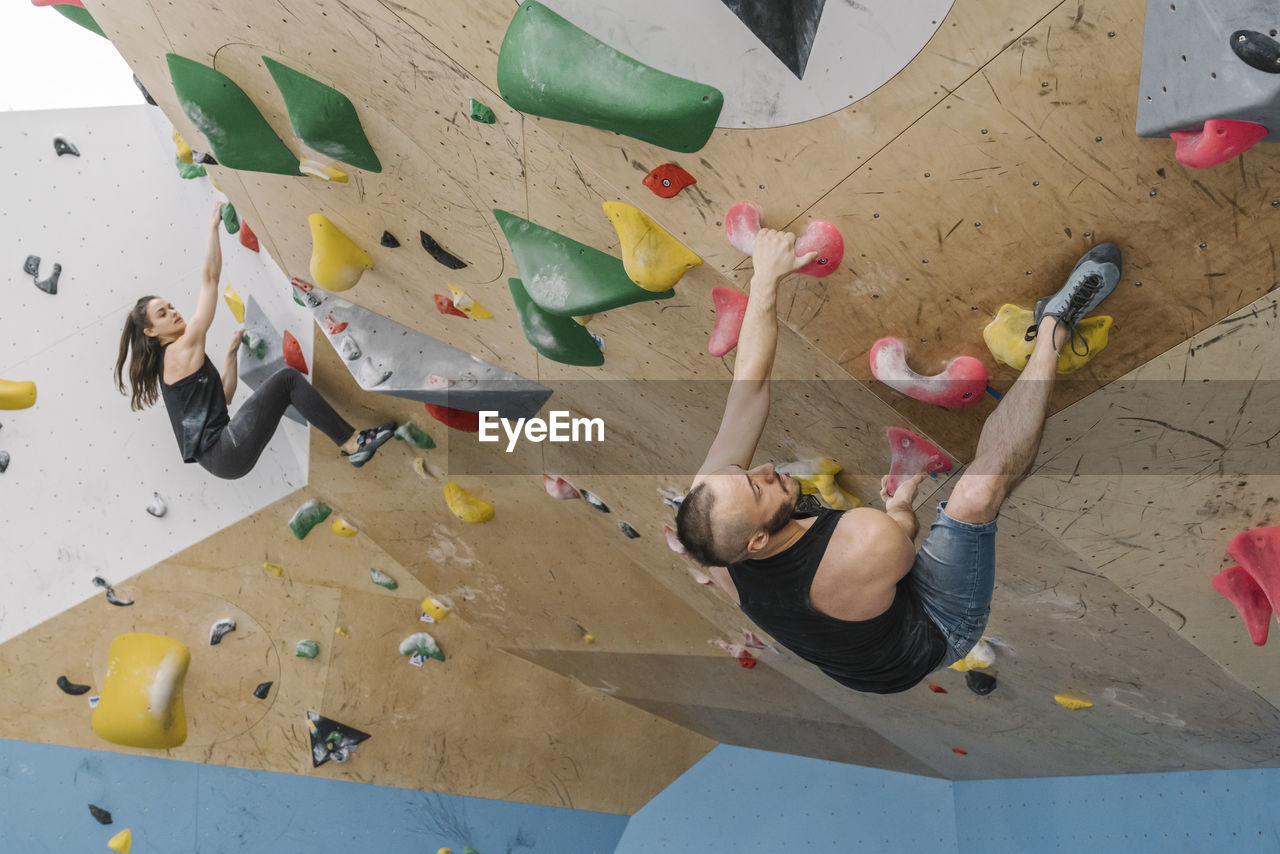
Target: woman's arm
{"type": "Point", "coordinates": [207, 304]}
{"type": "Point", "coordinates": [231, 367]}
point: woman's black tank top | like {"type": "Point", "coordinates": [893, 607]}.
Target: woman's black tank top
{"type": "Point", "coordinates": [197, 409]}
{"type": "Point", "coordinates": [885, 654]}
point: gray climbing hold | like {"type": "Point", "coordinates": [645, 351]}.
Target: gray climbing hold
{"type": "Point", "coordinates": [72, 688]}
{"type": "Point", "coordinates": [61, 146]}
{"type": "Point", "coordinates": [595, 501]}
{"type": "Point", "coordinates": [99, 581]}
{"type": "Point", "coordinates": [50, 285]}
{"type": "Point", "coordinates": [349, 349]}
{"type": "Point", "coordinates": [262, 690]}
{"type": "Point", "coordinates": [157, 507]}
{"type": "Point", "coordinates": [4, 461]}
{"type": "Point", "coordinates": [100, 815]}
{"type": "Point", "coordinates": [630, 532]}
{"type": "Point", "coordinates": [32, 265]}
{"type": "Point", "coordinates": [389, 240]}
{"type": "Point", "coordinates": [221, 629]}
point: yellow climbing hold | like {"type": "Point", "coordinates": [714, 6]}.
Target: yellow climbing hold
{"type": "Point", "coordinates": [1006, 338]}
{"type": "Point", "coordinates": [17, 395]}
{"type": "Point", "coordinates": [1073, 703]}
{"type": "Point", "coordinates": [435, 608]}
{"type": "Point", "coordinates": [141, 703]}
{"type": "Point", "coordinates": [466, 506]}
{"type": "Point", "coordinates": [982, 655]}
{"type": "Point", "coordinates": [339, 630]}
{"type": "Point", "coordinates": [336, 262]}
{"type": "Point", "coordinates": [323, 171]}
{"type": "Point", "coordinates": [343, 529]}
{"type": "Point", "coordinates": [234, 303]}
{"type": "Point", "coordinates": [274, 568]}
{"type": "Point", "coordinates": [588, 638]}
{"type": "Point", "coordinates": [184, 151]}
{"type": "Point", "coordinates": [425, 470]}
{"type": "Point", "coordinates": [121, 842]}
{"type": "Point", "coordinates": [468, 306]}
{"type": "Point", "coordinates": [819, 476]}
{"type": "Point", "coordinates": [653, 258]}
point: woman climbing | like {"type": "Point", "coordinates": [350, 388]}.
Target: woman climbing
{"type": "Point", "coordinates": [167, 360]}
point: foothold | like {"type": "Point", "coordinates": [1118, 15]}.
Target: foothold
{"type": "Point", "coordinates": [141, 703]}
{"type": "Point", "coordinates": [742, 224]}
{"type": "Point", "coordinates": [336, 261]}
{"type": "Point", "coordinates": [146, 96]}
{"type": "Point", "coordinates": [331, 326]}
{"type": "Point", "coordinates": [981, 656]}
{"type": "Point", "coordinates": [959, 751]}
{"type": "Point", "coordinates": [323, 171]}
{"type": "Point", "coordinates": [667, 180]}
{"type": "Point", "coordinates": [189, 171]}
{"type": "Point", "coordinates": [912, 455]}
{"type": "Point", "coordinates": [1217, 142]}
{"type": "Point", "coordinates": [157, 507]}
{"type": "Point", "coordinates": [274, 568]}
{"type": "Point", "coordinates": [121, 842]}
{"type": "Point", "coordinates": [653, 258]}
{"type": "Point", "coordinates": [437, 252]}
{"type": "Point", "coordinates": [262, 690]}
{"type": "Point", "coordinates": [588, 638]}
{"type": "Point", "coordinates": [331, 740]}
{"type": "Point", "coordinates": [230, 221]}
{"type": "Point", "coordinates": [435, 608]}
{"type": "Point", "coordinates": [256, 344]}
{"type": "Point", "coordinates": [594, 500]}
{"type": "Point", "coordinates": [238, 134]}
{"type": "Point", "coordinates": [219, 630]}
{"type": "Point", "coordinates": [1250, 600]}
{"type": "Point", "coordinates": [61, 146]}
{"type": "Point", "coordinates": [184, 152]}
{"type": "Point", "coordinates": [561, 339]}
{"type": "Point", "coordinates": [234, 302]}
{"type": "Point", "coordinates": [673, 540]}
{"type": "Point", "coordinates": [323, 118]}
{"type": "Point", "coordinates": [205, 160]}
{"type": "Point", "coordinates": [100, 815]}
{"type": "Point", "coordinates": [961, 382]}
{"type": "Point", "coordinates": [381, 579]}
{"type": "Point", "coordinates": [389, 240]}
{"type": "Point", "coordinates": [457, 419]}
{"type": "Point", "coordinates": [4, 461]}
{"type": "Point", "coordinates": [629, 532]}
{"type": "Point", "coordinates": [248, 239]}
{"type": "Point", "coordinates": [409, 432]}
{"type": "Point", "coordinates": [1075, 704]}
{"type": "Point", "coordinates": [306, 648]}
{"type": "Point", "coordinates": [466, 506]}
{"type": "Point", "coordinates": [423, 644]}
{"type": "Point", "coordinates": [341, 632]}
{"type": "Point", "coordinates": [565, 277]}
{"type": "Point", "coordinates": [306, 517]}
{"type": "Point", "coordinates": [72, 688]}
{"type": "Point", "coordinates": [349, 349]}
{"type": "Point", "coordinates": [482, 113]}
{"type": "Point", "coordinates": [980, 683]}
{"type": "Point", "coordinates": [700, 577]}
{"type": "Point", "coordinates": [937, 689]}
{"type": "Point", "coordinates": [31, 266]}
{"type": "Point", "coordinates": [549, 67]}
{"type": "Point", "coordinates": [49, 285]}
{"type": "Point", "coordinates": [558, 487]}
{"type": "Point", "coordinates": [746, 660]}
{"type": "Point", "coordinates": [293, 353]}
{"type": "Point", "coordinates": [731, 308]}
{"type": "Point", "coordinates": [445, 305]}
{"type": "Point", "coordinates": [1006, 338]}
{"type": "Point", "coordinates": [818, 477]}
{"type": "Point", "coordinates": [99, 581]}
{"type": "Point", "coordinates": [343, 528]}
{"type": "Point", "coordinates": [468, 306]}
{"type": "Point", "coordinates": [672, 498]}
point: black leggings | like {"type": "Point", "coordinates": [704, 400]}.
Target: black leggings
{"type": "Point", "coordinates": [242, 441]}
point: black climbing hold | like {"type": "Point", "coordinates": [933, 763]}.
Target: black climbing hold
{"type": "Point", "coordinates": [980, 683]}
{"type": "Point", "coordinates": [435, 251]}
{"type": "Point", "coordinates": [786, 27]}
{"type": "Point", "coordinates": [806, 506]}
{"type": "Point", "coordinates": [99, 581]}
{"type": "Point", "coordinates": [221, 629]}
{"type": "Point", "coordinates": [4, 461]}
{"type": "Point", "coordinates": [261, 691]}
{"type": "Point", "coordinates": [69, 687]}
{"type": "Point", "coordinates": [31, 266]}
{"type": "Point", "coordinates": [50, 285]}
{"type": "Point", "coordinates": [631, 533]}
{"type": "Point", "coordinates": [594, 500]}
{"type": "Point", "coordinates": [61, 146]}
{"type": "Point", "coordinates": [389, 240]}
{"type": "Point", "coordinates": [1257, 50]}
{"type": "Point", "coordinates": [332, 740]}
{"type": "Point", "coordinates": [145, 94]}
{"type": "Point", "coordinates": [204, 159]}
{"type": "Point", "coordinates": [100, 815]}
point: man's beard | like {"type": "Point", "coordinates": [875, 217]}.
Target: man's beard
{"type": "Point", "coordinates": [783, 516]}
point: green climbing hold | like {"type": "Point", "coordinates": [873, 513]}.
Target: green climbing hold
{"type": "Point", "coordinates": [323, 117]}
{"type": "Point", "coordinates": [306, 649]}
{"type": "Point", "coordinates": [409, 432]}
{"type": "Point", "coordinates": [238, 135]}
{"type": "Point", "coordinates": [256, 343]}
{"type": "Point", "coordinates": [307, 516]}
{"type": "Point", "coordinates": [381, 579]}
{"type": "Point", "coordinates": [467, 849]}
{"type": "Point", "coordinates": [549, 67]}
{"type": "Point", "coordinates": [185, 170]}
{"type": "Point", "coordinates": [229, 219]}
{"type": "Point", "coordinates": [81, 16]}
{"type": "Point", "coordinates": [423, 644]}
{"type": "Point", "coordinates": [561, 339]}
{"type": "Point", "coordinates": [566, 277]}
{"type": "Point", "coordinates": [482, 113]}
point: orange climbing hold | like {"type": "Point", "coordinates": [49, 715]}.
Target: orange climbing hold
{"type": "Point", "coordinates": [293, 353]}
{"type": "Point", "coordinates": [1250, 600]}
{"type": "Point", "coordinates": [1219, 141]}
{"type": "Point", "coordinates": [937, 689]}
{"type": "Point", "coordinates": [248, 239]}
{"type": "Point", "coordinates": [912, 455]}
{"type": "Point", "coordinates": [731, 308]}
{"type": "Point", "coordinates": [668, 179]}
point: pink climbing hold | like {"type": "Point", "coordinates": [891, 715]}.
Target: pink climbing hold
{"type": "Point", "coordinates": [57, 3]}
{"type": "Point", "coordinates": [912, 455]}
{"type": "Point", "coordinates": [673, 541]}
{"type": "Point", "coordinates": [961, 383]}
{"type": "Point", "coordinates": [293, 353]}
{"type": "Point", "coordinates": [1247, 595]}
{"type": "Point", "coordinates": [742, 224]}
{"type": "Point", "coordinates": [668, 179]}
{"type": "Point", "coordinates": [1218, 142]}
{"type": "Point", "coordinates": [1258, 551]}
{"type": "Point", "coordinates": [558, 487]}
{"type": "Point", "coordinates": [731, 308]}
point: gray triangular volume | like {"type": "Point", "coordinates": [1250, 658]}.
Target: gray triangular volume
{"type": "Point", "coordinates": [391, 358]}
{"type": "Point", "coordinates": [254, 371]}
{"type": "Point", "coordinates": [786, 27]}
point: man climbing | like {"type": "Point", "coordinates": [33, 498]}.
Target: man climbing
{"type": "Point", "coordinates": [848, 591]}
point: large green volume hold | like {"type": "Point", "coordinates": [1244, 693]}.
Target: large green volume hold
{"type": "Point", "coordinates": [323, 117]}
{"type": "Point", "coordinates": [549, 67]}
{"type": "Point", "coordinates": [238, 136]}
{"type": "Point", "coordinates": [561, 339]}
{"type": "Point", "coordinates": [566, 277]}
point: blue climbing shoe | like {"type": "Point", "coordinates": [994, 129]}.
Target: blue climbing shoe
{"type": "Point", "coordinates": [1092, 279]}
{"type": "Point", "coordinates": [369, 441]}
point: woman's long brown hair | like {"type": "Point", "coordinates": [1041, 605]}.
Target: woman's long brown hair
{"type": "Point", "coordinates": [145, 361]}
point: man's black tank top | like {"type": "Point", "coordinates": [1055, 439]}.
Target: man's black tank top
{"type": "Point", "coordinates": [197, 409]}
{"type": "Point", "coordinates": [888, 653]}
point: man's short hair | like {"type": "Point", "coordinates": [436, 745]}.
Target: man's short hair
{"type": "Point", "coordinates": [696, 532]}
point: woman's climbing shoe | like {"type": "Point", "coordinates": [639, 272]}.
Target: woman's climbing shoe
{"type": "Point", "coordinates": [369, 441]}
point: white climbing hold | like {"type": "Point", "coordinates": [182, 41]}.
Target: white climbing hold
{"type": "Point", "coordinates": [157, 507]}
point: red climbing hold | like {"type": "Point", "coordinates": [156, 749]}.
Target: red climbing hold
{"type": "Point", "coordinates": [747, 660]}
{"type": "Point", "coordinates": [1247, 595]}
{"type": "Point", "coordinates": [937, 689]}
{"type": "Point", "coordinates": [1218, 142]}
{"type": "Point", "coordinates": [293, 353]}
{"type": "Point", "coordinates": [742, 224]}
{"type": "Point", "coordinates": [1258, 551]}
{"type": "Point", "coordinates": [458, 419]}
{"type": "Point", "coordinates": [961, 752]}
{"type": "Point", "coordinates": [332, 326]}
{"type": "Point", "coordinates": [912, 455]}
{"type": "Point", "coordinates": [558, 487]}
{"type": "Point", "coordinates": [668, 179]}
{"type": "Point", "coordinates": [248, 239]}
{"type": "Point", "coordinates": [961, 382]}
{"type": "Point", "coordinates": [444, 305]}
{"type": "Point", "coordinates": [731, 308]}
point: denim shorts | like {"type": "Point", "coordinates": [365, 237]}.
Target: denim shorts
{"type": "Point", "coordinates": [954, 575]}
